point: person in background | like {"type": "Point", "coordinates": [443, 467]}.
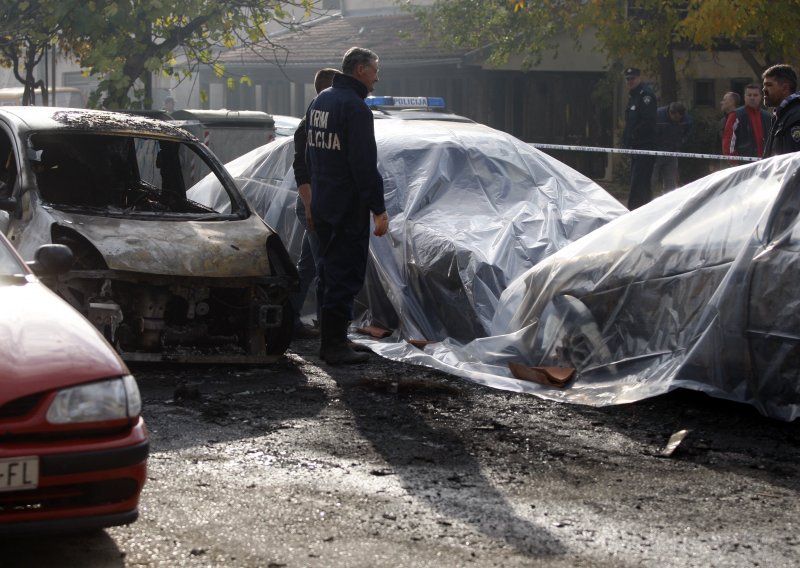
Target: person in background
{"type": "Point", "coordinates": [730, 101]}
{"type": "Point", "coordinates": [780, 92]}
{"type": "Point", "coordinates": [309, 251]}
{"type": "Point", "coordinates": [639, 134]}
{"type": "Point", "coordinates": [345, 187]}
{"type": "Point", "coordinates": [169, 105]}
{"type": "Point", "coordinates": [673, 126]}
{"type": "Point", "coordinates": [747, 127]}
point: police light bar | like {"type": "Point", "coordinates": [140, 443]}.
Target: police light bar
{"type": "Point", "coordinates": [406, 102]}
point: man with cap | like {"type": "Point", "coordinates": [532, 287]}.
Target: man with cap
{"type": "Point", "coordinates": [639, 134]}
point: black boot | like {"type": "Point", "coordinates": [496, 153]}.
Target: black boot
{"type": "Point", "coordinates": [334, 348]}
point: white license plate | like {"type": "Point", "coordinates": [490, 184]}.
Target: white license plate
{"type": "Point", "coordinates": [19, 473]}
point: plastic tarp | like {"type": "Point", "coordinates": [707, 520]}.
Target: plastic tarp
{"type": "Point", "coordinates": [471, 208]}
{"type": "Point", "coordinates": [698, 289]}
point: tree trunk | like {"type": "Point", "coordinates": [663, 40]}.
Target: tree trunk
{"type": "Point", "coordinates": [751, 60]}
{"type": "Point", "coordinates": [29, 93]}
{"type": "Point", "coordinates": [668, 78]}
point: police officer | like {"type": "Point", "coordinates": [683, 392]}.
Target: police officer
{"type": "Point", "coordinates": [309, 248]}
{"type": "Point", "coordinates": [639, 134]}
{"type": "Point", "coordinates": [345, 187]}
{"type": "Point", "coordinates": [780, 92]}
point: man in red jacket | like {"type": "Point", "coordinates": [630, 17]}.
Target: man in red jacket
{"type": "Point", "coordinates": [747, 127]}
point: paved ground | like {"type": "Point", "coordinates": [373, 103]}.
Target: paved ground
{"type": "Point", "coordinates": [384, 464]}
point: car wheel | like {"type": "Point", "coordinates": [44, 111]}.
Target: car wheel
{"type": "Point", "coordinates": [570, 334]}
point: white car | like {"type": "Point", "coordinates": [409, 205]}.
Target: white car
{"type": "Point", "coordinates": [161, 276]}
{"type": "Point", "coordinates": [285, 125]}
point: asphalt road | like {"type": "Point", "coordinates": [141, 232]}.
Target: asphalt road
{"type": "Point", "coordinates": [383, 464]}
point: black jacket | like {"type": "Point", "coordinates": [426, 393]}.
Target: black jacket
{"type": "Point", "coordinates": [784, 136]}
{"type": "Point", "coordinates": [301, 175]}
{"type": "Point", "coordinates": [671, 136]}
{"type": "Point", "coordinates": [640, 119]}
{"type": "Point", "coordinates": [342, 154]}
{"type": "Point", "coordinates": [743, 136]}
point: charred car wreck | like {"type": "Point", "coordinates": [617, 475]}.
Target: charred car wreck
{"type": "Point", "coordinates": [163, 277]}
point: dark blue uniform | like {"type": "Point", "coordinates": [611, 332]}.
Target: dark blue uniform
{"type": "Point", "coordinates": [345, 187]}
{"type": "Point", "coordinates": [640, 134]}
{"type": "Point", "coordinates": [784, 135]}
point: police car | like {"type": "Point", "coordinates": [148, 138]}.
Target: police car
{"type": "Point", "coordinates": [412, 108]}
{"type": "Point", "coordinates": [285, 125]}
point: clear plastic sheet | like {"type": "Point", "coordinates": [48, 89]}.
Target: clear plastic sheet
{"type": "Point", "coordinates": [698, 290]}
{"type": "Point", "coordinates": [471, 208]}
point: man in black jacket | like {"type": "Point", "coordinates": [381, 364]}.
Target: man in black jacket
{"type": "Point", "coordinates": [639, 134]}
{"type": "Point", "coordinates": [673, 127]}
{"type": "Point", "coordinates": [345, 186]}
{"type": "Point", "coordinates": [780, 92]}
{"type": "Point", "coordinates": [309, 249]}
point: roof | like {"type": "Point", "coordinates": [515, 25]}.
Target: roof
{"type": "Point", "coordinates": [399, 40]}
{"type": "Point", "coordinates": [33, 118]}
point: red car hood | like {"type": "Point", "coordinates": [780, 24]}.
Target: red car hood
{"type": "Point", "coordinates": [45, 344]}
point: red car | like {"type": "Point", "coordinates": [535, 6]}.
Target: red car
{"type": "Point", "coordinates": [73, 446]}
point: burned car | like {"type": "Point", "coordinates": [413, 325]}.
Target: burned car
{"type": "Point", "coordinates": [162, 277]}
{"type": "Point", "coordinates": [470, 209]}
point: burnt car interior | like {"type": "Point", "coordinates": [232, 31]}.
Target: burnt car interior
{"type": "Point", "coordinates": [121, 174]}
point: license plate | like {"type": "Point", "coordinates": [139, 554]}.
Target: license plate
{"type": "Point", "coordinates": [19, 473]}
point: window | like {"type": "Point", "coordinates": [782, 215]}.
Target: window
{"type": "Point", "coordinates": [704, 93]}
{"type": "Point", "coordinates": [124, 175]}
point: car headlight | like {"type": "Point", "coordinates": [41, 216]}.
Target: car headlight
{"type": "Point", "coordinates": [104, 400]}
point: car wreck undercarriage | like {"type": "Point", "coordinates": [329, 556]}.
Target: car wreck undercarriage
{"type": "Point", "coordinates": [152, 318]}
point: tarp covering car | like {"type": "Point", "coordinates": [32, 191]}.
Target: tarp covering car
{"type": "Point", "coordinates": [698, 289]}
{"type": "Point", "coordinates": [471, 208]}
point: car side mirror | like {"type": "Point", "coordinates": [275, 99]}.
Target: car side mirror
{"type": "Point", "coordinates": [52, 260]}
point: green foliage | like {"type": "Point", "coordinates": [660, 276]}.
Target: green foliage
{"type": "Point", "coordinates": [503, 27]}
{"type": "Point", "coordinates": [641, 33]}
{"type": "Point", "coordinates": [644, 33]}
{"type": "Point", "coordinates": [756, 28]}
{"type": "Point", "coordinates": [123, 41]}
{"type": "Point", "coordinates": [27, 29]}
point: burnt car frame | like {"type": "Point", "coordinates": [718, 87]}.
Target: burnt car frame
{"type": "Point", "coordinates": [162, 277]}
